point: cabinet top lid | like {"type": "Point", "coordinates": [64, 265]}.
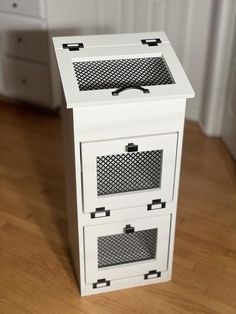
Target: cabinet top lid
{"type": "Point", "coordinates": [111, 69]}
{"type": "Point", "coordinates": [93, 41]}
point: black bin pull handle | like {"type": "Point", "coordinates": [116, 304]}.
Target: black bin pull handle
{"type": "Point", "coordinates": [122, 89]}
{"type": "Point", "coordinates": [131, 147]}
{"type": "Point", "coordinates": [128, 229]}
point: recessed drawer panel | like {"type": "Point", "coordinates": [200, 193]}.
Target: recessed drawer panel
{"type": "Point", "coordinates": [129, 172]}
{"type": "Point", "coordinates": [23, 38]}
{"type": "Point", "coordinates": [24, 7]}
{"type": "Point", "coordinates": [126, 249]}
{"type": "Point", "coordinates": [26, 81]}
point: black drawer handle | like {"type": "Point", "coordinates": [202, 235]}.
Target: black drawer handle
{"type": "Point", "coordinates": [131, 147]}
{"type": "Point", "coordinates": [122, 89]}
{"type": "Point", "coordinates": [128, 229]}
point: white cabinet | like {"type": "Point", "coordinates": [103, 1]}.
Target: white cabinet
{"type": "Point", "coordinates": [123, 125]}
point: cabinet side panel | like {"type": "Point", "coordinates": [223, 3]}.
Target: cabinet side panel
{"type": "Point", "coordinates": [70, 177]}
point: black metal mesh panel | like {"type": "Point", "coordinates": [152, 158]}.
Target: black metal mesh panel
{"type": "Point", "coordinates": [129, 172]}
{"type": "Point", "coordinates": [105, 74]}
{"type": "Point", "coordinates": [124, 248]}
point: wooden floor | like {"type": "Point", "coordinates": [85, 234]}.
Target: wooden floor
{"type": "Point", "coordinates": [36, 275]}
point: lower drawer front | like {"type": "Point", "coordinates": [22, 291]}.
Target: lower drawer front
{"type": "Point", "coordinates": [26, 81]}
{"type": "Point", "coordinates": [126, 249]}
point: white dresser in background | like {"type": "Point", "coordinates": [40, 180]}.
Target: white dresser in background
{"type": "Point", "coordinates": [28, 70]}
{"type": "Point", "coordinates": [24, 56]}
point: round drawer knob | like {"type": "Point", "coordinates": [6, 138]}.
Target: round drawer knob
{"type": "Point", "coordinates": [19, 39]}
{"type": "Point", "coordinates": [23, 81]}
{"type": "Point", "coordinates": [14, 5]}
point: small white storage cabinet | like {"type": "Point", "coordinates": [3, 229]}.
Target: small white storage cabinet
{"type": "Point", "coordinates": [123, 126]}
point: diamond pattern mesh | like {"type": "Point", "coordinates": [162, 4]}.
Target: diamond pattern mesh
{"type": "Point", "coordinates": [124, 248]}
{"type": "Point", "coordinates": [105, 74]}
{"type": "Point", "coordinates": [129, 172]}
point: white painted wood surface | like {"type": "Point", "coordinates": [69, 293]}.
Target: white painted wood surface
{"type": "Point", "coordinates": [100, 130]}
{"type": "Point", "coordinates": [181, 87]}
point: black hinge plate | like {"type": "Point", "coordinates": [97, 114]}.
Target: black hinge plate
{"type": "Point", "coordinates": [152, 274]}
{"type": "Point", "coordinates": [151, 41]}
{"type": "Point", "coordinates": [73, 46]}
{"type": "Point", "coordinates": [101, 283]}
{"type": "Point", "coordinates": [100, 212]}
{"type": "Point", "coordinates": [156, 204]}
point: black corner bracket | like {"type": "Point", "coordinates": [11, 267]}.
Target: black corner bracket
{"type": "Point", "coordinates": [156, 204]}
{"type": "Point", "coordinates": [100, 212]}
{"type": "Point", "coordinates": [101, 283]}
{"type": "Point", "coordinates": [152, 274]}
{"type": "Point", "coordinates": [73, 46]}
{"type": "Point", "coordinates": [151, 41]}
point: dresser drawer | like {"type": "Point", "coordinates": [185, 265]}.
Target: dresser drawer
{"type": "Point", "coordinates": [23, 38]}
{"type": "Point", "coordinates": [24, 7]}
{"type": "Point", "coordinates": [26, 81]}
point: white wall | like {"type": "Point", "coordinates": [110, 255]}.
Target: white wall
{"type": "Point", "coordinates": [196, 45]}
{"type": "Point", "coordinates": [218, 67]}
{"type": "Point", "coordinates": [228, 129]}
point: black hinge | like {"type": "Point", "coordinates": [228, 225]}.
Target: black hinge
{"type": "Point", "coordinates": [151, 41]}
{"type": "Point", "coordinates": [101, 283]}
{"type": "Point", "coordinates": [156, 204]}
{"type": "Point", "coordinates": [100, 212]}
{"type": "Point", "coordinates": [73, 46]}
{"type": "Point", "coordinates": [152, 274]}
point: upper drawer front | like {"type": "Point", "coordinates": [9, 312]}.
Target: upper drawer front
{"type": "Point", "coordinates": [24, 7]}
{"type": "Point", "coordinates": [27, 81]}
{"type": "Point", "coordinates": [129, 172]}
{"type": "Point", "coordinates": [23, 38]}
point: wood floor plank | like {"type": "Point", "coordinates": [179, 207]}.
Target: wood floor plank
{"type": "Point", "coordinates": [36, 274]}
